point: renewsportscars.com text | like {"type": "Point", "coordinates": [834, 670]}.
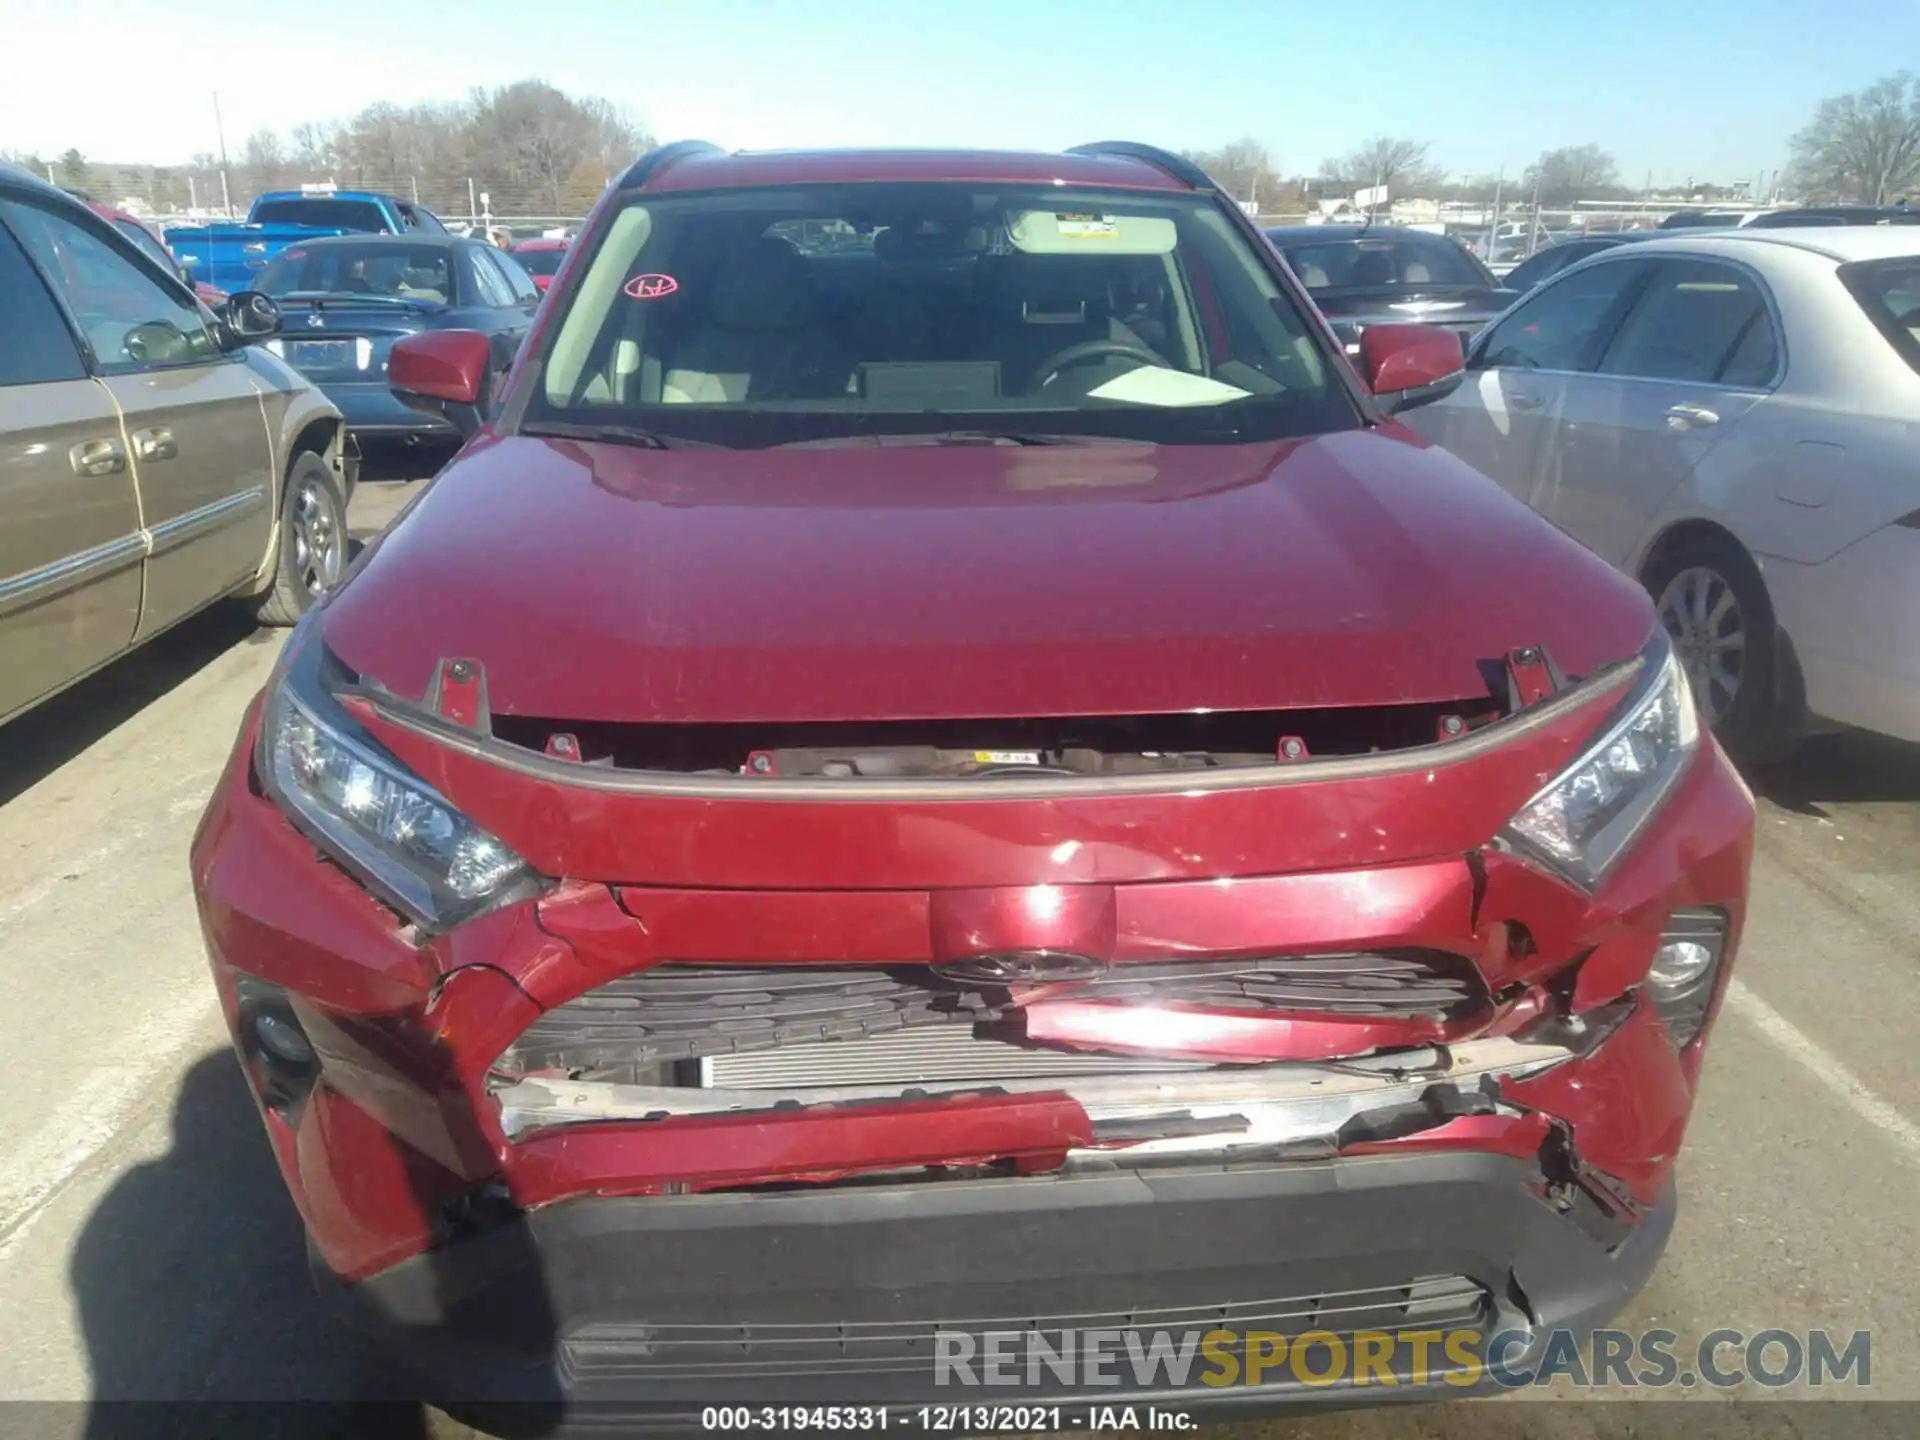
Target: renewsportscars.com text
{"type": "Point", "coordinates": [1654, 1359]}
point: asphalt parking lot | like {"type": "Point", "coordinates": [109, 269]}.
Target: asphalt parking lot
{"type": "Point", "coordinates": [147, 1251]}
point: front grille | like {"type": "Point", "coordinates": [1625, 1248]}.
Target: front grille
{"type": "Point", "coordinates": [609, 1352]}
{"type": "Point", "coordinates": [925, 1055]}
{"type": "Point", "coordinates": [670, 1013]}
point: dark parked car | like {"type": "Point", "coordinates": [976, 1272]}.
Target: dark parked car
{"type": "Point", "coordinates": [968, 778]}
{"type": "Point", "coordinates": [1361, 275]}
{"type": "Point", "coordinates": [1544, 264]}
{"type": "Point", "coordinates": [1820, 215]}
{"type": "Point", "coordinates": [344, 300]}
{"type": "Point", "coordinates": [1708, 219]}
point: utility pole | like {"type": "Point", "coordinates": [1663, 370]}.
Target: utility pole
{"type": "Point", "coordinates": [220, 131]}
{"type": "Point", "coordinates": [1493, 223]}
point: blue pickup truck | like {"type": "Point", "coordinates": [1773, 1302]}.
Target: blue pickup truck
{"type": "Point", "coordinates": [229, 256]}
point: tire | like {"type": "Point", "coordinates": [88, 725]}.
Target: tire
{"type": "Point", "coordinates": [1714, 605]}
{"type": "Point", "coordinates": [313, 542]}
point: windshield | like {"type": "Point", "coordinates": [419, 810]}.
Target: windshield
{"type": "Point", "coordinates": [1382, 263]}
{"type": "Point", "coordinates": [544, 261]}
{"type": "Point", "coordinates": [394, 272]}
{"type": "Point", "coordinates": [328, 214]}
{"type": "Point", "coordinates": [767, 317]}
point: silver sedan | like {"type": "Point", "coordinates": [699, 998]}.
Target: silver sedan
{"type": "Point", "coordinates": [1734, 419]}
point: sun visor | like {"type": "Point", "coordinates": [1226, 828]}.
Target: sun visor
{"type": "Point", "coordinates": [1089, 232]}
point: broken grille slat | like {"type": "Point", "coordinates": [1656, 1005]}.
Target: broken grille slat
{"type": "Point", "coordinates": [697, 1012]}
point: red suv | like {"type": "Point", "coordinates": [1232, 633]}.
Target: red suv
{"type": "Point", "coordinates": [938, 765]}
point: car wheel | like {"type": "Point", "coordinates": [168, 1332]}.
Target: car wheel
{"type": "Point", "coordinates": [1714, 605]}
{"type": "Point", "coordinates": [313, 541]}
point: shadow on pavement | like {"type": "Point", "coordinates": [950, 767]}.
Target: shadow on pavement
{"type": "Point", "coordinates": [191, 1283]}
{"type": "Point", "coordinates": [393, 461]}
{"type": "Point", "coordinates": [48, 736]}
{"type": "Point", "coordinates": [1848, 767]}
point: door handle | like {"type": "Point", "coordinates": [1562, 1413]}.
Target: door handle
{"type": "Point", "coordinates": [155, 444]}
{"type": "Point", "coordinates": [97, 457]}
{"type": "Point", "coordinates": [1523, 400]}
{"type": "Point", "coordinates": [1685, 417]}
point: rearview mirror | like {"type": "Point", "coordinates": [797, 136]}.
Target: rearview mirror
{"type": "Point", "coordinates": [246, 316]}
{"type": "Point", "coordinates": [1409, 365]}
{"type": "Point", "coordinates": [446, 373]}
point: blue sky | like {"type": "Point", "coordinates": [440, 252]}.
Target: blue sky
{"type": "Point", "coordinates": [1710, 90]}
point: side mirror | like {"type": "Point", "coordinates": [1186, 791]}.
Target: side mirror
{"type": "Point", "coordinates": [1409, 365]}
{"type": "Point", "coordinates": [246, 316]}
{"type": "Point", "coordinates": [446, 373]}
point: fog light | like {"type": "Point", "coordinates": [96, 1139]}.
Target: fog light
{"type": "Point", "coordinates": [280, 1057]}
{"type": "Point", "coordinates": [1679, 964]}
{"type": "Point", "coordinates": [1680, 980]}
{"type": "Point", "coordinates": [282, 1039]}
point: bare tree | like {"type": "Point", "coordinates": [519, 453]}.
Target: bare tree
{"type": "Point", "coordinates": [542, 137]}
{"type": "Point", "coordinates": [1243, 168]}
{"type": "Point", "coordinates": [1863, 146]}
{"type": "Point", "coordinates": [1473, 189]}
{"type": "Point", "coordinates": [316, 146]}
{"type": "Point", "coordinates": [1573, 172]}
{"type": "Point", "coordinates": [533, 147]}
{"type": "Point", "coordinates": [264, 159]}
{"type": "Point", "coordinates": [1400, 165]}
{"type": "Point", "coordinates": [73, 170]}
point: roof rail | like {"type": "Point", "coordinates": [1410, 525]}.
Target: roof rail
{"type": "Point", "coordinates": [638, 173]}
{"type": "Point", "coordinates": [1177, 166]}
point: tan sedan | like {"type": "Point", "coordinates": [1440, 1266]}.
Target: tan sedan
{"type": "Point", "coordinates": [152, 461]}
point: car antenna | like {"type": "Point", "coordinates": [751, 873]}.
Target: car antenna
{"type": "Point", "coordinates": [1366, 221]}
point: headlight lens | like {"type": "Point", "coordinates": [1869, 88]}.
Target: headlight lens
{"type": "Point", "coordinates": [367, 810]}
{"type": "Point", "coordinates": [1584, 820]}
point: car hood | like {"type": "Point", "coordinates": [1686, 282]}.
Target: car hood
{"type": "Point", "coordinates": [917, 581]}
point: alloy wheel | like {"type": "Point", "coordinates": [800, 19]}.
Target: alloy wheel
{"type": "Point", "coordinates": [318, 537]}
{"type": "Point", "coordinates": [1709, 633]}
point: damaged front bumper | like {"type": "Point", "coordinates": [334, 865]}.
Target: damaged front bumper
{"type": "Point", "coordinates": [643, 1312]}
{"type": "Point", "coordinates": [1488, 1147]}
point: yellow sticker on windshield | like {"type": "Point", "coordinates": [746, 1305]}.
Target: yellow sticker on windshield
{"type": "Point", "coordinates": [1085, 226]}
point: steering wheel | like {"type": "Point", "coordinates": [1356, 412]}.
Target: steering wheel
{"type": "Point", "coordinates": [152, 340]}
{"type": "Point", "coordinates": [1087, 351]}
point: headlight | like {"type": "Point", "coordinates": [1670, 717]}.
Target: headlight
{"type": "Point", "coordinates": [356, 801]}
{"type": "Point", "coordinates": [1584, 820]}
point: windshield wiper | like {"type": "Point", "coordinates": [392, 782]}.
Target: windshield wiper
{"type": "Point", "coordinates": [1019, 437]}
{"type": "Point", "coordinates": [633, 435]}
{"type": "Point", "coordinates": [357, 297]}
{"type": "Point", "coordinates": [950, 437]}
